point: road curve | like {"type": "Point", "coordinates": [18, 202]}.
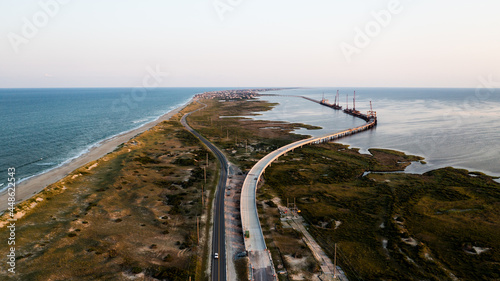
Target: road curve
{"type": "Point", "coordinates": [260, 259]}
{"type": "Point", "coordinates": [219, 231]}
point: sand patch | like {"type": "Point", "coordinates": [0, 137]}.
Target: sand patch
{"type": "Point", "coordinates": [20, 214]}
{"type": "Point", "coordinates": [295, 262]}
{"type": "Point", "coordinates": [410, 241]}
{"type": "Point", "coordinates": [93, 166]}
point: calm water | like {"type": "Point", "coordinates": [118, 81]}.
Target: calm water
{"type": "Point", "coordinates": [449, 127]}
{"type": "Point", "coordinates": [43, 128]}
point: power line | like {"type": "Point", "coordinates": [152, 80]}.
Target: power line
{"type": "Point", "coordinates": [349, 265]}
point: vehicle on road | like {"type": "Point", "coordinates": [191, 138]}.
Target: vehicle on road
{"type": "Point", "coordinates": [216, 255]}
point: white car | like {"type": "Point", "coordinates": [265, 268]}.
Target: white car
{"type": "Point", "coordinates": [216, 255]}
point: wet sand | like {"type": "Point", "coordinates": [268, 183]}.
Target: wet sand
{"type": "Point", "coordinates": [26, 189]}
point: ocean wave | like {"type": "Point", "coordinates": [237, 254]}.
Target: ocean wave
{"type": "Point", "coordinates": [46, 164]}
{"type": "Point", "coordinates": [141, 120]}
{"type": "Point", "coordinates": [98, 143]}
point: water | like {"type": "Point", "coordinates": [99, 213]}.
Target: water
{"type": "Point", "coordinates": [44, 128]}
{"type": "Point", "coordinates": [449, 127]}
{"type": "Point", "coordinates": [298, 110]}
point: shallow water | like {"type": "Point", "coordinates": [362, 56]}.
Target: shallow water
{"type": "Point", "coordinates": [449, 127]}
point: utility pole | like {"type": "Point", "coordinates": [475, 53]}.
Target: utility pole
{"type": "Point", "coordinates": [335, 262]}
{"type": "Point", "coordinates": [288, 208]}
{"type": "Point", "coordinates": [294, 206]}
{"type": "Point", "coordinates": [205, 173]}
{"type": "Point", "coordinates": [202, 197]}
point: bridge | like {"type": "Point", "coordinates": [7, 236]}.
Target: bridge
{"type": "Point", "coordinates": [261, 265]}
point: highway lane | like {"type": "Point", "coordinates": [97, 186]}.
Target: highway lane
{"type": "Point", "coordinates": [219, 231]}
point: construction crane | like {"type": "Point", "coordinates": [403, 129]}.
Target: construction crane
{"type": "Point", "coordinates": [354, 102]}
{"type": "Point", "coordinates": [371, 114]}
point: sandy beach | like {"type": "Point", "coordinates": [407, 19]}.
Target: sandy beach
{"type": "Point", "coordinates": [34, 185]}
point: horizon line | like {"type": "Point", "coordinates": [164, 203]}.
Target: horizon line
{"type": "Point", "coordinates": [243, 87]}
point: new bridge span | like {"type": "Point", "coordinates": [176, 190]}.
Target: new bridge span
{"type": "Point", "coordinates": [261, 265]}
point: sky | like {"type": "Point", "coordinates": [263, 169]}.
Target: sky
{"type": "Point", "coordinates": [248, 43]}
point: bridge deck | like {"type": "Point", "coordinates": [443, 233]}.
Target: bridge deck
{"type": "Point", "coordinates": [260, 258]}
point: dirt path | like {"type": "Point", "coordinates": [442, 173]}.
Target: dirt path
{"type": "Point", "coordinates": [234, 233]}
{"type": "Point", "coordinates": [326, 264]}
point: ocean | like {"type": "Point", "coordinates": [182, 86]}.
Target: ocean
{"type": "Point", "coordinates": [44, 128]}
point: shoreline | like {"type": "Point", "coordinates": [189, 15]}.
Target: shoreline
{"type": "Point", "coordinates": [35, 184]}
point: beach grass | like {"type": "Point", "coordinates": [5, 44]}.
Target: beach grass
{"type": "Point", "coordinates": [129, 214]}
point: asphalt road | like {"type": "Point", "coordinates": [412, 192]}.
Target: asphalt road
{"type": "Point", "coordinates": [219, 231]}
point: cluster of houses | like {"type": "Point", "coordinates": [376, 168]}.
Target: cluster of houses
{"type": "Point", "coordinates": [233, 94]}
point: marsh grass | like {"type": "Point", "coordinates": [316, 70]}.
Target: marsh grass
{"type": "Point", "coordinates": [447, 212]}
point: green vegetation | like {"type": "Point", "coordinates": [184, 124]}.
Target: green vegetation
{"type": "Point", "coordinates": [393, 226]}
{"type": "Point", "coordinates": [241, 266]}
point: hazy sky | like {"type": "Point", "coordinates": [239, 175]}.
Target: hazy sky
{"type": "Point", "coordinates": [245, 43]}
